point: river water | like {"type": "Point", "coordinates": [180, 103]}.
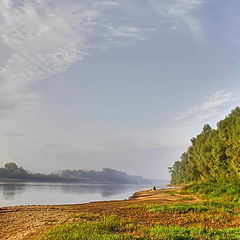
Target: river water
{"type": "Point", "coordinates": [21, 193]}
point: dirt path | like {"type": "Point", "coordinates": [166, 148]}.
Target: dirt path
{"type": "Point", "coordinates": [29, 222]}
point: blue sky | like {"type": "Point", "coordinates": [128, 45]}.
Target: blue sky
{"type": "Point", "coordinates": [120, 84]}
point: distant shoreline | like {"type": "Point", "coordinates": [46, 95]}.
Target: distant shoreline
{"type": "Point", "coordinates": [62, 181]}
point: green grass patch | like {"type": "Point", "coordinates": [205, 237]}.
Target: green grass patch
{"type": "Point", "coordinates": [213, 206]}
{"type": "Point", "coordinates": [179, 208]}
{"type": "Point", "coordinates": [216, 191]}
{"type": "Point", "coordinates": [110, 228]}
{"type": "Point", "coordinates": [187, 199]}
{"type": "Point", "coordinates": [115, 228]}
{"type": "Point", "coordinates": [86, 216]}
{"type": "Point", "coordinates": [179, 233]}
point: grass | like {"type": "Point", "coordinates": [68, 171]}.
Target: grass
{"type": "Point", "coordinates": [187, 199]}
{"type": "Point", "coordinates": [211, 207]}
{"type": "Point", "coordinates": [108, 228]}
{"type": "Point", "coordinates": [138, 206]}
{"type": "Point", "coordinates": [180, 208]}
{"type": "Point", "coordinates": [89, 217]}
{"type": "Point", "coordinates": [217, 217]}
{"type": "Point", "coordinates": [178, 233]}
{"type": "Point", "coordinates": [203, 206]}
{"type": "Point", "coordinates": [224, 192]}
{"type": "Point", "coordinates": [115, 228]}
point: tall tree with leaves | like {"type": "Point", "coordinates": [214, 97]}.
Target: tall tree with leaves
{"type": "Point", "coordinates": [214, 155]}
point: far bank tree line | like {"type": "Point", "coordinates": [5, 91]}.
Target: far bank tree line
{"type": "Point", "coordinates": [214, 154]}
{"type": "Point", "coordinates": [106, 175]}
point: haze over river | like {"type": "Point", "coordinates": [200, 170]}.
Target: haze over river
{"type": "Point", "coordinates": [31, 193]}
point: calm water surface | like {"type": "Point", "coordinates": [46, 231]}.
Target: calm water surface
{"type": "Point", "coordinates": [15, 193]}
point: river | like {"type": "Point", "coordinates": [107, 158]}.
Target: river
{"type": "Point", "coordinates": [22, 193]}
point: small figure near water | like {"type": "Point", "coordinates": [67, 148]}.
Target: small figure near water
{"type": "Point", "coordinates": [154, 188]}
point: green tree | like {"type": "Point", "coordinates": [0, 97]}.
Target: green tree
{"type": "Point", "coordinates": [178, 171]}
{"type": "Point", "coordinates": [214, 154]}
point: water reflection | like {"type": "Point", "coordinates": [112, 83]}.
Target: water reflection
{"type": "Point", "coordinates": [9, 190]}
{"type": "Point", "coordinates": [104, 189]}
{"type": "Point", "coordinates": [18, 193]}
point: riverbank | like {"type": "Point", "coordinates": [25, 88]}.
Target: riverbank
{"type": "Point", "coordinates": [169, 208]}
{"type": "Point", "coordinates": [26, 222]}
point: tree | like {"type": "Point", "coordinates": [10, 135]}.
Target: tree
{"type": "Point", "coordinates": [11, 166]}
{"type": "Point", "coordinates": [214, 155]}
{"type": "Point", "coordinates": [178, 171]}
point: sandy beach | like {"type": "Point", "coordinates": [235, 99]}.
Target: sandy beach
{"type": "Point", "coordinates": [29, 222]}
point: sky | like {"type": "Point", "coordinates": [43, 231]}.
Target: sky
{"type": "Point", "coordinates": [123, 84]}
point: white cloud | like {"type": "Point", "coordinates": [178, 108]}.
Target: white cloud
{"type": "Point", "coordinates": [43, 38]}
{"type": "Point", "coordinates": [126, 31]}
{"type": "Point", "coordinates": [209, 107]}
{"type": "Point", "coordinates": [181, 9]}
{"type": "Point", "coordinates": [110, 3]}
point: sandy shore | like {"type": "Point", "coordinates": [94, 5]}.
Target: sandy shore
{"type": "Point", "coordinates": [29, 222]}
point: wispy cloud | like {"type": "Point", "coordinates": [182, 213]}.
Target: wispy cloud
{"type": "Point", "coordinates": [209, 107]}
{"type": "Point", "coordinates": [43, 38]}
{"type": "Point", "coordinates": [110, 3]}
{"type": "Point", "coordinates": [181, 9]}
{"type": "Point", "coordinates": [126, 31]}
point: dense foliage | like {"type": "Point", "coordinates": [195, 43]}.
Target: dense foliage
{"type": "Point", "coordinates": [214, 155]}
